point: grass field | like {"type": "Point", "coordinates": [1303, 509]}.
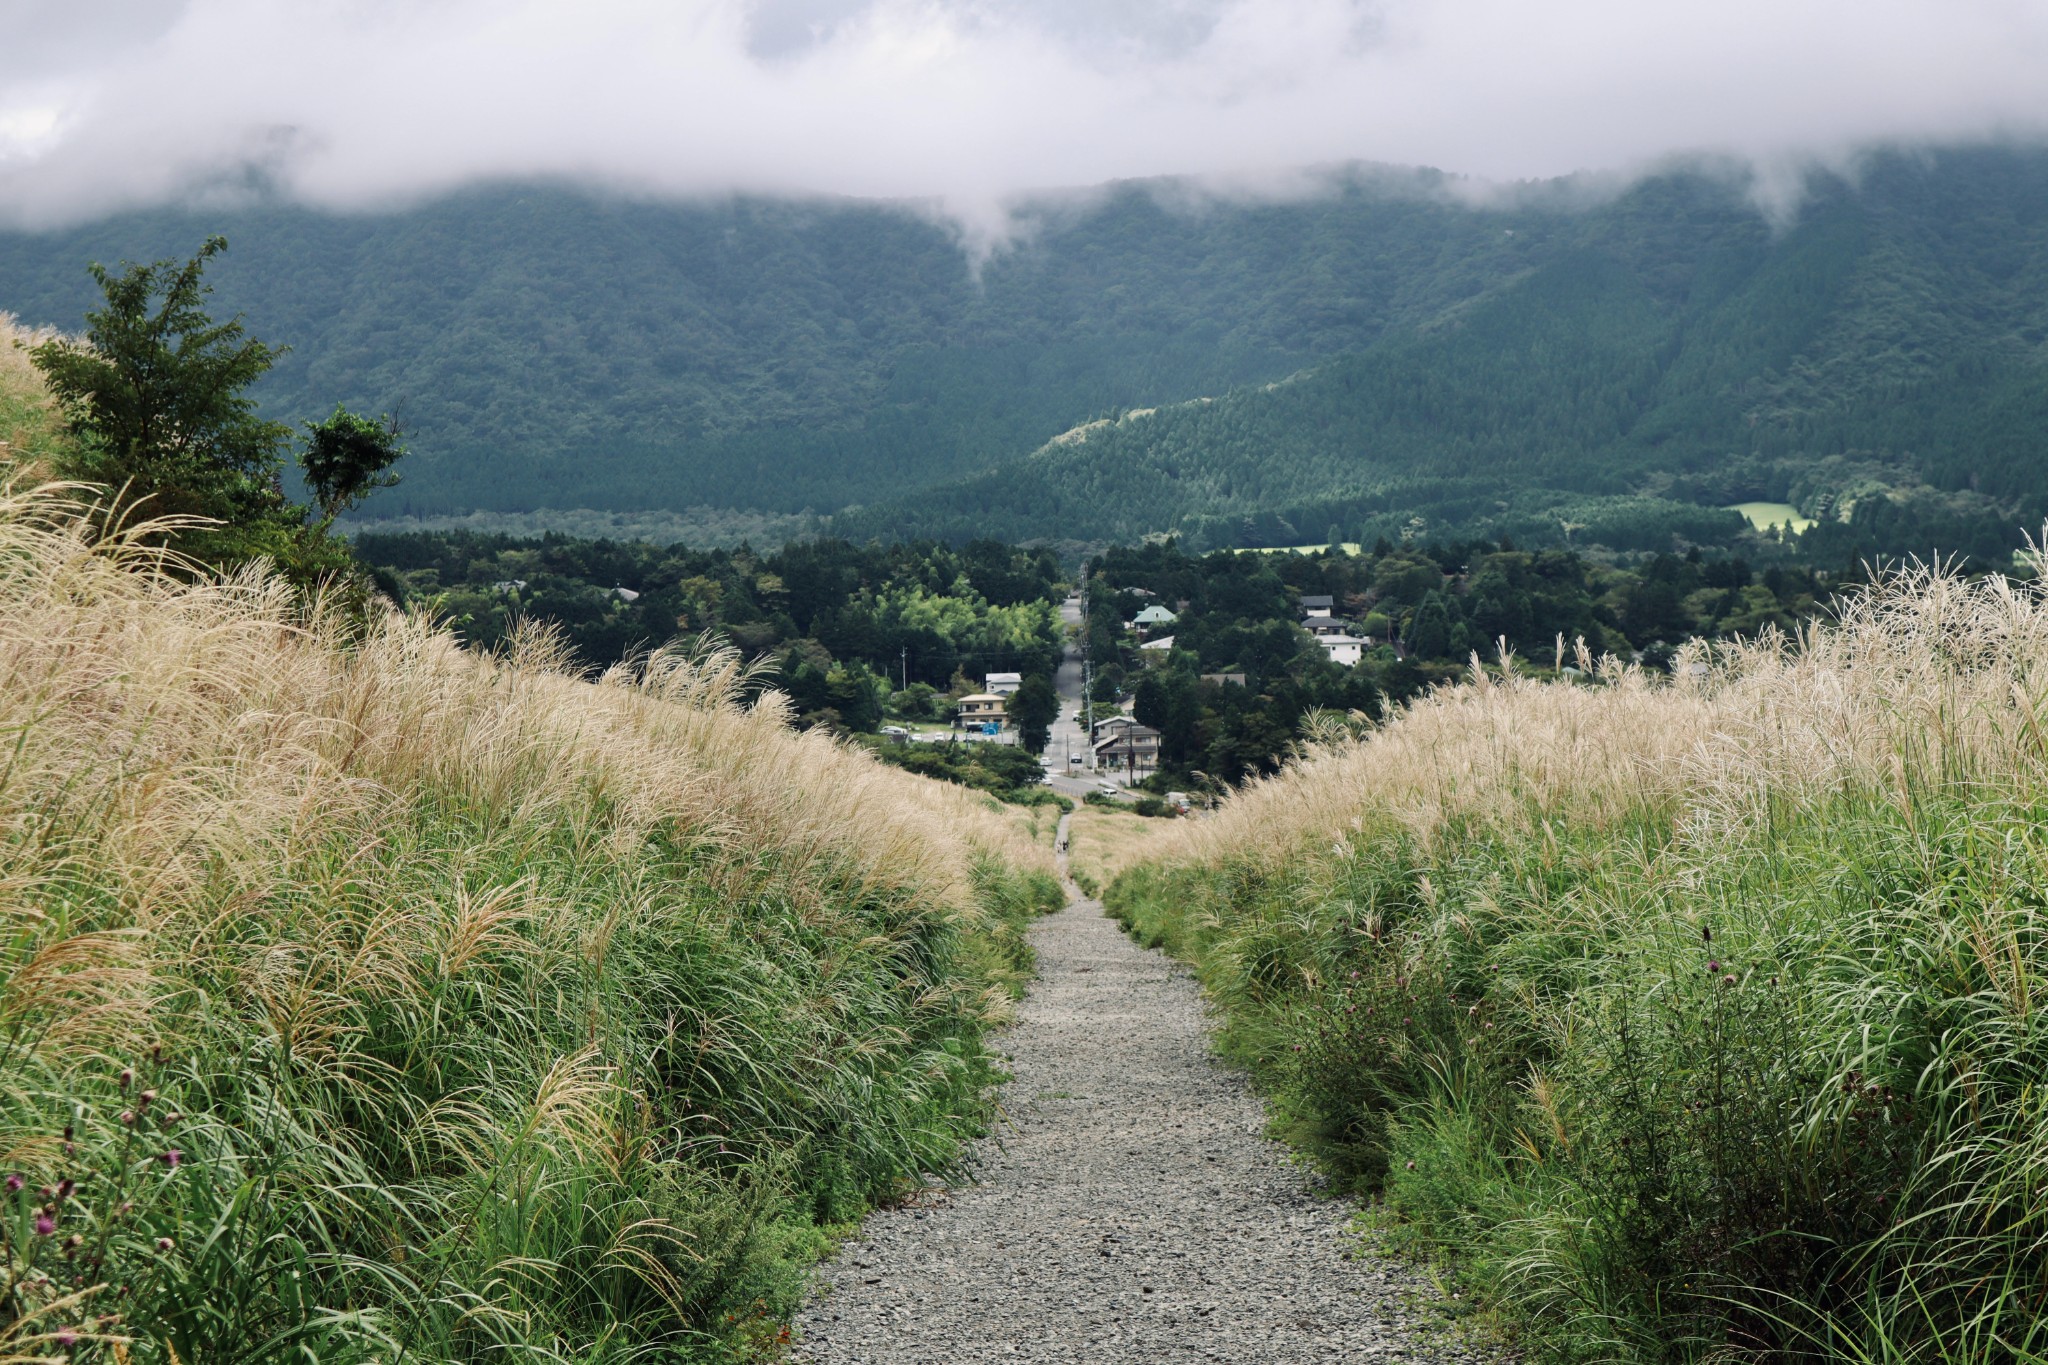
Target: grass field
{"type": "Point", "coordinates": [362, 999]}
{"type": "Point", "coordinates": [1765, 516]}
{"type": "Point", "coordinates": [1686, 1021]}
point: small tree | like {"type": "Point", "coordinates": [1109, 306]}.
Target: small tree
{"type": "Point", "coordinates": [1033, 708]}
{"type": "Point", "coordinates": [347, 458]}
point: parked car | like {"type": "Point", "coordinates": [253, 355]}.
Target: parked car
{"type": "Point", "coordinates": [1108, 789]}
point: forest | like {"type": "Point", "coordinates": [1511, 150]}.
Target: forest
{"type": "Point", "coordinates": [850, 630]}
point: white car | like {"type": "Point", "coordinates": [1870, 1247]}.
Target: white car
{"type": "Point", "coordinates": [1108, 788]}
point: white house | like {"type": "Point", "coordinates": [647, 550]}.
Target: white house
{"type": "Point", "coordinates": [1343, 649]}
{"type": "Point", "coordinates": [1154, 616]}
{"type": "Point", "coordinates": [1318, 606]}
{"type": "Point", "coordinates": [1002, 684]}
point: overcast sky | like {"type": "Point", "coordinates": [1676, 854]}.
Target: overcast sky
{"type": "Point", "coordinates": [109, 103]}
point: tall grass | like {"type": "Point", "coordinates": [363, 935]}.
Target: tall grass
{"type": "Point", "coordinates": [363, 999]}
{"type": "Point", "coordinates": [1693, 1021]}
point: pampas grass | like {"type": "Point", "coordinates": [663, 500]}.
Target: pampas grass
{"type": "Point", "coordinates": [500, 1013]}
{"type": "Point", "coordinates": [1690, 1018]}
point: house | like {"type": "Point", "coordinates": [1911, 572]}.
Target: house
{"type": "Point", "coordinates": [1224, 679]}
{"type": "Point", "coordinates": [1112, 724]}
{"type": "Point", "coordinates": [626, 594]}
{"type": "Point", "coordinates": [1130, 748]}
{"type": "Point", "coordinates": [1343, 649]}
{"type": "Point", "coordinates": [1317, 606]}
{"type": "Point", "coordinates": [1324, 625]}
{"type": "Point", "coordinates": [1153, 616]}
{"type": "Point", "coordinates": [1003, 684]}
{"type": "Point", "coordinates": [1159, 646]}
{"type": "Point", "coordinates": [982, 709]}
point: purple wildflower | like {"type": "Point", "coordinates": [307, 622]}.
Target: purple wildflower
{"type": "Point", "coordinates": [164, 1244]}
{"type": "Point", "coordinates": [14, 1184]}
{"type": "Point", "coordinates": [173, 1157]}
{"type": "Point", "coordinates": [45, 1225]}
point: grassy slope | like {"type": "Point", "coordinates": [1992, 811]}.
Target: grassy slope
{"type": "Point", "coordinates": [490, 1014]}
{"type": "Point", "coordinates": [30, 431]}
{"type": "Point", "coordinates": [1685, 1020]}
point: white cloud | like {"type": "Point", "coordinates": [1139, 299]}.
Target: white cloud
{"type": "Point", "coordinates": [350, 102]}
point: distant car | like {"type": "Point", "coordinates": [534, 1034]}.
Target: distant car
{"type": "Point", "coordinates": [1074, 760]}
{"type": "Point", "coordinates": [894, 730]}
{"type": "Point", "coordinates": [1107, 788]}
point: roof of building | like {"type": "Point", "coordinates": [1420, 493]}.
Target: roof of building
{"type": "Point", "coordinates": [981, 696]}
{"type": "Point", "coordinates": [1003, 677]}
{"type": "Point", "coordinates": [1308, 601]}
{"type": "Point", "coordinates": [1155, 616]}
{"type": "Point", "coordinates": [1163, 642]}
{"type": "Point", "coordinates": [1337, 641]}
{"type": "Point", "coordinates": [1127, 735]}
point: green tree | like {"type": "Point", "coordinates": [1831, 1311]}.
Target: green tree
{"type": "Point", "coordinates": [347, 458]}
{"type": "Point", "coordinates": [1033, 708]}
{"type": "Point", "coordinates": [157, 391]}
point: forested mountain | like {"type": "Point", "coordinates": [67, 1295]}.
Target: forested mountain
{"type": "Point", "coordinates": [1621, 365]}
{"type": "Point", "coordinates": [1879, 361]}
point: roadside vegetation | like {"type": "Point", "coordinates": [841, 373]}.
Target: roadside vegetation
{"type": "Point", "coordinates": [1691, 1017]}
{"type": "Point", "coordinates": [362, 997]}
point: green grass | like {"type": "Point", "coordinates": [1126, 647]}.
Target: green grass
{"type": "Point", "coordinates": [612, 1134]}
{"type": "Point", "coordinates": [1773, 1094]}
{"type": "Point", "coordinates": [1765, 516]}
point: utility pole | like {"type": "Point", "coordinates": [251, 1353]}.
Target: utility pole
{"type": "Point", "coordinates": [906, 667]}
{"type": "Point", "coordinates": [1087, 678]}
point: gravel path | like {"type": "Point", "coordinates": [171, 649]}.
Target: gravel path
{"type": "Point", "coordinates": [1131, 1211]}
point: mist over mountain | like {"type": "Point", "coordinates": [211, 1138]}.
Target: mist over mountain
{"type": "Point", "coordinates": [1493, 361]}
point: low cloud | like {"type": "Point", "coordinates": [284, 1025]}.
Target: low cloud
{"type": "Point", "coordinates": [967, 103]}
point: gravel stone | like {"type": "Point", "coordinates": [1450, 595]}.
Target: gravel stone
{"type": "Point", "coordinates": [1128, 1208]}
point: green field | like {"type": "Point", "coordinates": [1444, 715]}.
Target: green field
{"type": "Point", "coordinates": [1765, 515]}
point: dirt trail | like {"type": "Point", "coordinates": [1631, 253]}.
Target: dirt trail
{"type": "Point", "coordinates": [1130, 1210]}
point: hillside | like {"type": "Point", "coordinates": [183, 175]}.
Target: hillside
{"type": "Point", "coordinates": [1382, 352]}
{"type": "Point", "coordinates": [1654, 362]}
{"type": "Point", "coordinates": [365, 997]}
{"type": "Point", "coordinates": [1687, 1019]}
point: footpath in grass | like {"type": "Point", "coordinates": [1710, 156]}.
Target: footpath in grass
{"type": "Point", "coordinates": [1128, 1209]}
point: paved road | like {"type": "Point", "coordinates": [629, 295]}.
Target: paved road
{"type": "Point", "coordinates": [1068, 735]}
{"type": "Point", "coordinates": [1130, 1212]}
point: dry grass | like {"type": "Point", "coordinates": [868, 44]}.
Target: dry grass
{"type": "Point", "coordinates": [1929, 678]}
{"type": "Point", "coordinates": [500, 949]}
{"type": "Point", "coordinates": [1102, 843]}
{"type": "Point", "coordinates": [1693, 1019]}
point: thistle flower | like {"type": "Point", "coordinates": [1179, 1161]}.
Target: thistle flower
{"type": "Point", "coordinates": [172, 1158]}
{"type": "Point", "coordinates": [145, 1099]}
{"type": "Point", "coordinates": [128, 1118]}
{"type": "Point", "coordinates": [1712, 966]}
{"type": "Point", "coordinates": [127, 1076]}
{"type": "Point", "coordinates": [45, 1225]}
{"type": "Point", "coordinates": [14, 1184]}
{"type": "Point", "coordinates": [164, 1244]}
{"type": "Point", "coordinates": [67, 1337]}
